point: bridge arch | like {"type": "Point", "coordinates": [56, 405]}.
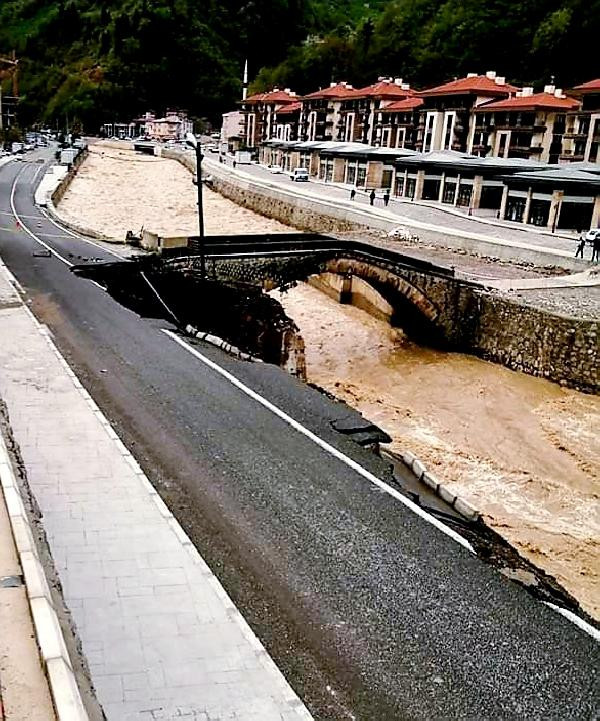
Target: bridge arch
{"type": "Point", "coordinates": [412, 310]}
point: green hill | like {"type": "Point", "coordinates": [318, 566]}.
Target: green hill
{"type": "Point", "coordinates": [95, 62]}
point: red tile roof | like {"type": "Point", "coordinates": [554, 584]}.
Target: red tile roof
{"type": "Point", "coordinates": [273, 96]}
{"type": "Point", "coordinates": [532, 102]}
{"type": "Point", "coordinates": [592, 86]}
{"type": "Point", "coordinates": [402, 105]}
{"type": "Point", "coordinates": [385, 89]}
{"type": "Point", "coordinates": [291, 108]}
{"type": "Point", "coordinates": [477, 85]}
{"type": "Point", "coordinates": [336, 91]}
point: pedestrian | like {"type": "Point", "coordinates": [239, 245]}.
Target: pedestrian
{"type": "Point", "coordinates": [386, 198]}
{"type": "Point", "coordinates": [372, 197]}
{"type": "Point", "coordinates": [234, 164]}
{"type": "Point", "coordinates": [353, 194]}
{"type": "Point", "coordinates": [596, 248]}
{"type": "Point", "coordinates": [580, 246]}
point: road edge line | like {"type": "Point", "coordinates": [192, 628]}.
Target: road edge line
{"type": "Point", "coordinates": [296, 425]}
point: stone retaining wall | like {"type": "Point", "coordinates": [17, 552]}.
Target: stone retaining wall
{"type": "Point", "coordinates": [562, 349]}
{"type": "Point", "coordinates": [495, 327]}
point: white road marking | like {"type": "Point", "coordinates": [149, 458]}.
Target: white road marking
{"type": "Point", "coordinates": [574, 618]}
{"type": "Point", "coordinates": [323, 444]}
{"type": "Point", "coordinates": [26, 229]}
{"type": "Point", "coordinates": [79, 237]}
{"type": "Point", "coordinates": [54, 252]}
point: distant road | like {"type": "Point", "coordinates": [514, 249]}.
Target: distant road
{"type": "Point", "coordinates": [370, 610]}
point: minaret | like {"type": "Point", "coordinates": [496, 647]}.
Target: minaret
{"type": "Point", "coordinates": [245, 81]}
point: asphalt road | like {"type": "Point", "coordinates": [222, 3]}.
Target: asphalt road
{"type": "Point", "coordinates": [371, 612]}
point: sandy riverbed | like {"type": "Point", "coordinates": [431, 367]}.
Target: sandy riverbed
{"type": "Point", "coordinates": [522, 450]}
{"type": "Point", "coordinates": [119, 190]}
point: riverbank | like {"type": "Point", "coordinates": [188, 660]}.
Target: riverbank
{"type": "Point", "coordinates": [522, 450]}
{"type": "Point", "coordinates": [116, 190]}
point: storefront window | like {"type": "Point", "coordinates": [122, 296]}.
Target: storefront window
{"type": "Point", "coordinates": [351, 175]}
{"type": "Point", "coordinates": [361, 175]}
{"type": "Point", "coordinates": [449, 192]}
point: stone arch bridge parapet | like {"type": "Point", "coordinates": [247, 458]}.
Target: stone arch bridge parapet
{"type": "Point", "coordinates": [430, 307]}
{"type": "Point", "coordinates": [438, 309]}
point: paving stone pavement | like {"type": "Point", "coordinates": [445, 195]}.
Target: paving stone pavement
{"type": "Point", "coordinates": [161, 637]}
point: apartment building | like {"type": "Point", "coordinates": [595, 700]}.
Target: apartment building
{"type": "Point", "coordinates": [397, 123]}
{"type": "Point", "coordinates": [321, 111]}
{"type": "Point", "coordinates": [581, 137]}
{"type": "Point", "coordinates": [287, 121]}
{"type": "Point", "coordinates": [358, 113]}
{"type": "Point", "coordinates": [446, 118]}
{"type": "Point", "coordinates": [529, 125]}
{"type": "Point", "coordinates": [259, 115]}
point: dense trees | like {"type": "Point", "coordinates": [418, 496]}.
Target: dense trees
{"type": "Point", "coordinates": [95, 61]}
{"type": "Point", "coordinates": [430, 41]}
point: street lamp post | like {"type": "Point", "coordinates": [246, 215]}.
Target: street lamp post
{"type": "Point", "coordinates": [194, 143]}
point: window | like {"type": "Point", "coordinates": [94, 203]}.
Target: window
{"type": "Point", "coordinates": [430, 123]}
{"type": "Point", "coordinates": [351, 173]}
{"type": "Point", "coordinates": [449, 119]}
{"type": "Point", "coordinates": [361, 175]}
{"type": "Point", "coordinates": [399, 185]}
{"type": "Point", "coordinates": [385, 138]}
{"type": "Point", "coordinates": [400, 137]}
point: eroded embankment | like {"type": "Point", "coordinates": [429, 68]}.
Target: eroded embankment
{"type": "Point", "coordinates": [522, 450]}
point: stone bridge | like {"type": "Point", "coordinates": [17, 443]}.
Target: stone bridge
{"type": "Point", "coordinates": [431, 305]}
{"type": "Point", "coordinates": [428, 303]}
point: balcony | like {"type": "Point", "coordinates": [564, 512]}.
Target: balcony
{"type": "Point", "coordinates": [576, 136]}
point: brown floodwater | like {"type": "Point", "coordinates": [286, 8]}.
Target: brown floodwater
{"type": "Point", "coordinates": [522, 450]}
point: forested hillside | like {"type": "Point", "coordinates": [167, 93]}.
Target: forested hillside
{"type": "Point", "coordinates": [96, 61]}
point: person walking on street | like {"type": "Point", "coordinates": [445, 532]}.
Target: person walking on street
{"type": "Point", "coordinates": [596, 249]}
{"type": "Point", "coordinates": [353, 194]}
{"type": "Point", "coordinates": [372, 197]}
{"type": "Point", "coordinates": [386, 198]}
{"type": "Point", "coordinates": [580, 246]}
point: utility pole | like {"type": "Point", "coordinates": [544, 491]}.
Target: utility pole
{"type": "Point", "coordinates": [194, 143]}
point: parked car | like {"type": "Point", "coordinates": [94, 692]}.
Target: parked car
{"type": "Point", "coordinates": [275, 169]}
{"type": "Point", "coordinates": [299, 175]}
{"type": "Point", "coordinates": [591, 235]}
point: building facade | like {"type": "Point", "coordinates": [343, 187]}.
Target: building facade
{"type": "Point", "coordinates": [581, 138]}
{"type": "Point", "coordinates": [529, 125]}
{"type": "Point", "coordinates": [259, 115]}
{"type": "Point", "coordinates": [447, 118]}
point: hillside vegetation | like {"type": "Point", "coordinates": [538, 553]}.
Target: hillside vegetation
{"type": "Point", "coordinates": [93, 62]}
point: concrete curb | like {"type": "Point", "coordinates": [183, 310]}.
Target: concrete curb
{"type": "Point", "coordinates": [222, 344]}
{"type": "Point", "coordinates": [424, 476]}
{"type": "Point", "coordinates": [82, 230]}
{"type": "Point", "coordinates": [53, 650]}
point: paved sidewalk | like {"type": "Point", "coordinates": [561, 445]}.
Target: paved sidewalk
{"type": "Point", "coordinates": [161, 637]}
{"type": "Point", "coordinates": [421, 216]}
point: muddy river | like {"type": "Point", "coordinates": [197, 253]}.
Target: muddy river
{"type": "Point", "coordinates": [522, 450]}
{"type": "Point", "coordinates": [119, 190]}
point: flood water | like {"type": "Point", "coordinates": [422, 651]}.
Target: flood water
{"type": "Point", "coordinates": [522, 450]}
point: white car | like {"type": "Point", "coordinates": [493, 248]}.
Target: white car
{"type": "Point", "coordinates": [592, 235]}
{"type": "Point", "coordinates": [299, 175]}
{"type": "Point", "coordinates": [275, 169]}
